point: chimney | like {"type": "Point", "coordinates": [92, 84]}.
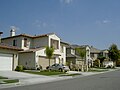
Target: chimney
{"type": "Point", "coordinates": [12, 32]}
{"type": "Point", "coordinates": [0, 36]}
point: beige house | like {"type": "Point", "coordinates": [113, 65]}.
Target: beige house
{"type": "Point", "coordinates": [94, 53]}
{"type": "Point", "coordinates": [74, 57]}
{"type": "Point", "coordinates": [33, 54]}
{"type": "Point", "coordinates": [8, 57]}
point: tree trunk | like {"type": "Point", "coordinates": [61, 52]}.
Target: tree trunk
{"type": "Point", "coordinates": [49, 62]}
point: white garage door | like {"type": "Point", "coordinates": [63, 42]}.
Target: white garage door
{"type": "Point", "coordinates": [6, 61]}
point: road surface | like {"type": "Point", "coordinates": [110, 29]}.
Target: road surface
{"type": "Point", "coordinates": [105, 81]}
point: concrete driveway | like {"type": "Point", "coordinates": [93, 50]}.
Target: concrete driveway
{"type": "Point", "coordinates": [25, 78]}
{"type": "Point", "coordinates": [19, 75]}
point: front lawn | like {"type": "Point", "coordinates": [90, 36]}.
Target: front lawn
{"type": "Point", "coordinates": [5, 80]}
{"type": "Point", "coordinates": [46, 73]}
{"type": "Point", "coordinates": [75, 74]}
{"type": "Point", "coordinates": [3, 77]}
{"type": "Point", "coordinates": [11, 81]}
{"type": "Point", "coordinates": [97, 70]}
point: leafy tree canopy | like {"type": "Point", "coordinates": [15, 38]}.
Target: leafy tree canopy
{"type": "Point", "coordinates": [81, 52]}
{"type": "Point", "coordinates": [114, 52]}
{"type": "Point", "coordinates": [49, 53]}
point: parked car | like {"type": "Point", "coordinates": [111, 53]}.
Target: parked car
{"type": "Point", "coordinates": [60, 67]}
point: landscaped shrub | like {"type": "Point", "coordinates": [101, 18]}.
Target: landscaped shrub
{"type": "Point", "coordinates": [118, 63]}
{"type": "Point", "coordinates": [19, 68]}
{"type": "Point", "coordinates": [96, 63]}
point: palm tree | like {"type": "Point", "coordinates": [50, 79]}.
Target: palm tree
{"type": "Point", "coordinates": [49, 53]}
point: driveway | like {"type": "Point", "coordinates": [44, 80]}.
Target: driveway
{"type": "Point", "coordinates": [19, 75]}
{"type": "Point", "coordinates": [25, 78]}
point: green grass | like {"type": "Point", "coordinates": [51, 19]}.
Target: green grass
{"type": "Point", "coordinates": [47, 73]}
{"type": "Point", "coordinates": [11, 81]}
{"type": "Point", "coordinates": [3, 77]}
{"type": "Point", "coordinates": [97, 70]}
{"type": "Point", "coordinates": [75, 74]}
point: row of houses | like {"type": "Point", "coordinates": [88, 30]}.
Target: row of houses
{"type": "Point", "coordinates": [29, 51]}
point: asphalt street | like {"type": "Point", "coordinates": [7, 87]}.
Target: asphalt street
{"type": "Point", "coordinates": [104, 81]}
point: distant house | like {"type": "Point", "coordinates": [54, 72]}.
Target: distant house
{"type": "Point", "coordinates": [33, 54]}
{"type": "Point", "coordinates": [74, 57]}
{"type": "Point", "coordinates": [94, 53]}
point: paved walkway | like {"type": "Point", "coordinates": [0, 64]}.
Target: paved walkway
{"type": "Point", "coordinates": [28, 79]}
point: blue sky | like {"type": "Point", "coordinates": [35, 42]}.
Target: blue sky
{"type": "Point", "coordinates": [83, 22]}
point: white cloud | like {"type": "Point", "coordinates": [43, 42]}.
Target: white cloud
{"type": "Point", "coordinates": [40, 23]}
{"type": "Point", "coordinates": [14, 27]}
{"type": "Point", "coordinates": [105, 21]}
{"type": "Point", "coordinates": [66, 1]}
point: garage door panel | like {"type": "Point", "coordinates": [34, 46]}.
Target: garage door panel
{"type": "Point", "coordinates": [6, 61]}
{"type": "Point", "coordinates": [44, 62]}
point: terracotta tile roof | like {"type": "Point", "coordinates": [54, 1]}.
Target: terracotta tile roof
{"type": "Point", "coordinates": [5, 46]}
{"type": "Point", "coordinates": [30, 36]}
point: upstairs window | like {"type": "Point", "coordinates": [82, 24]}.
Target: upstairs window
{"type": "Point", "coordinates": [14, 42]}
{"type": "Point", "coordinates": [25, 42]}
{"type": "Point", "coordinates": [55, 43]}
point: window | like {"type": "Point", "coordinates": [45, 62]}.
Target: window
{"type": "Point", "coordinates": [62, 49]}
{"type": "Point", "coordinates": [14, 42]}
{"type": "Point", "coordinates": [55, 44]}
{"type": "Point", "coordinates": [25, 42]}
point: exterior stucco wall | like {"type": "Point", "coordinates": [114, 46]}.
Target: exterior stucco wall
{"type": "Point", "coordinates": [40, 42]}
{"type": "Point", "coordinates": [9, 41]}
{"type": "Point", "coordinates": [87, 55]}
{"type": "Point", "coordinates": [29, 43]}
{"type": "Point", "coordinates": [57, 51]}
{"type": "Point", "coordinates": [27, 60]}
{"type": "Point", "coordinates": [69, 60]}
{"type": "Point", "coordinates": [20, 42]}
{"type": "Point", "coordinates": [15, 56]}
{"type": "Point", "coordinates": [63, 55]}
{"type": "Point", "coordinates": [95, 56]}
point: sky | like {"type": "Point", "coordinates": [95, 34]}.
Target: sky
{"type": "Point", "coordinates": [83, 22]}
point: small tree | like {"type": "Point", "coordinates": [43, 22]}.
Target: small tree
{"type": "Point", "coordinates": [101, 58]}
{"type": "Point", "coordinates": [96, 63]}
{"type": "Point", "coordinates": [81, 52]}
{"type": "Point", "coordinates": [49, 53]}
{"type": "Point", "coordinates": [114, 52]}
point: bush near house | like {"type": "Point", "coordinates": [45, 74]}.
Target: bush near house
{"type": "Point", "coordinates": [19, 68]}
{"type": "Point", "coordinates": [96, 63]}
{"type": "Point", "coordinates": [118, 63]}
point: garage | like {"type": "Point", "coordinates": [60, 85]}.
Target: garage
{"type": "Point", "coordinates": [6, 61]}
{"type": "Point", "coordinates": [44, 62]}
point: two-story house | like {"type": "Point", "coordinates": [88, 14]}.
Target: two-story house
{"type": "Point", "coordinates": [74, 57]}
{"type": "Point", "coordinates": [33, 54]}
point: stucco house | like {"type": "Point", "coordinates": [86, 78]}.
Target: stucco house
{"type": "Point", "coordinates": [8, 57]}
{"type": "Point", "coordinates": [33, 54]}
{"type": "Point", "coordinates": [94, 53]}
{"type": "Point", "coordinates": [74, 57]}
